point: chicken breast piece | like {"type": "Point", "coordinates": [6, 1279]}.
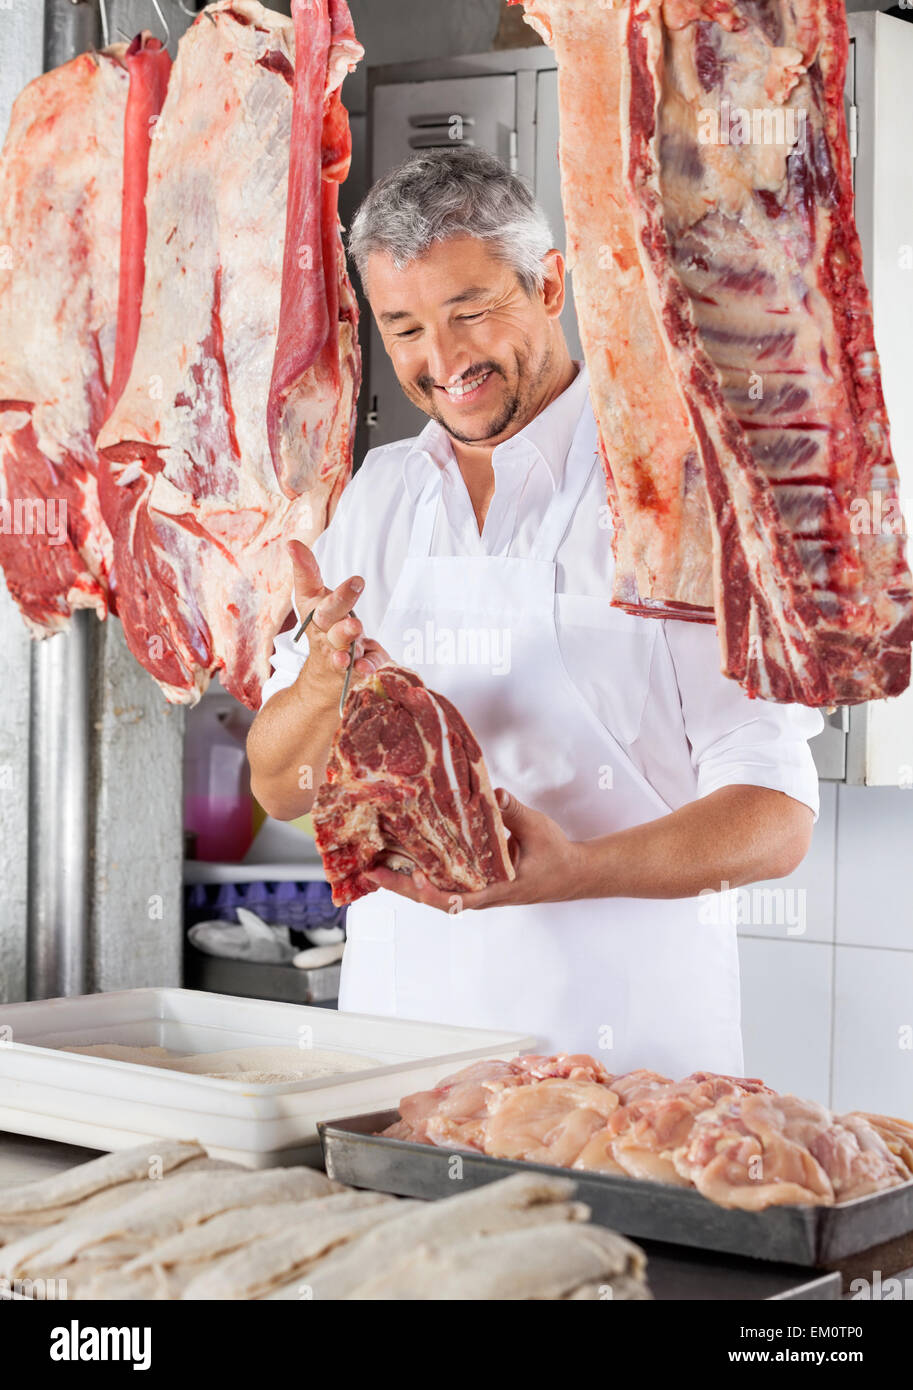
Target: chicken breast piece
{"type": "Point", "coordinates": [550, 1122]}
{"type": "Point", "coordinates": [897, 1134]}
{"type": "Point", "coordinates": [740, 1155]}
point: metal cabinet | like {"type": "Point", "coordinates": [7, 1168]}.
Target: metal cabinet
{"type": "Point", "coordinates": [507, 102]}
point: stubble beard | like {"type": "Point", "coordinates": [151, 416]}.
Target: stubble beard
{"type": "Point", "coordinates": [514, 408]}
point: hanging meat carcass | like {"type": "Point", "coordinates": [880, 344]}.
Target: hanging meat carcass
{"type": "Point", "coordinates": [60, 228]}
{"type": "Point", "coordinates": [726, 324]}
{"type": "Point", "coordinates": [234, 429]}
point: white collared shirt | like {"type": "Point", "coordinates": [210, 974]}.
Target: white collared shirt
{"type": "Point", "coordinates": [688, 728]}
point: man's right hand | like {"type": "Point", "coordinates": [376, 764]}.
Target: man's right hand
{"type": "Point", "coordinates": [333, 628]}
{"type": "Point", "coordinates": [290, 739]}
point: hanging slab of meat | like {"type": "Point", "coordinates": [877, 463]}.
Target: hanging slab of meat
{"type": "Point", "coordinates": [149, 66]}
{"type": "Point", "coordinates": [407, 787]}
{"type": "Point", "coordinates": [236, 296]}
{"type": "Point", "coordinates": [62, 174]}
{"type": "Point", "coordinates": [60, 213]}
{"type": "Point", "coordinates": [728, 331]}
{"type": "Point", "coordinates": [316, 368]}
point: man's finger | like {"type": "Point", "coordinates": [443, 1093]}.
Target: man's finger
{"type": "Point", "coordinates": [307, 577]}
{"type": "Point", "coordinates": [342, 634]}
{"type": "Point", "coordinates": [371, 661]}
{"type": "Point", "coordinates": [513, 811]}
{"type": "Point", "coordinates": [336, 606]}
{"type": "Point", "coordinates": [405, 886]}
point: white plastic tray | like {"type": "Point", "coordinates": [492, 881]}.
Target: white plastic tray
{"type": "Point", "coordinates": [112, 1105]}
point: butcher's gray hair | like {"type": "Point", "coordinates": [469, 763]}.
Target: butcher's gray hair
{"type": "Point", "coordinates": [440, 194]}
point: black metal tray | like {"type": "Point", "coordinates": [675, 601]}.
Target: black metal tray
{"type": "Point", "coordinates": [814, 1237]}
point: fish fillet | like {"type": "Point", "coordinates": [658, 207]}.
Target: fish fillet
{"type": "Point", "coordinates": [544, 1262]}
{"type": "Point", "coordinates": [176, 1203]}
{"type": "Point", "coordinates": [258, 1268]}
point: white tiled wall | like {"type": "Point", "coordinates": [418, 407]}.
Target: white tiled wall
{"type": "Point", "coordinates": [827, 962]}
{"type": "Point", "coordinates": [787, 1006]}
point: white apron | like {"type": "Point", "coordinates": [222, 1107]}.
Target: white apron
{"type": "Point", "coordinates": [635, 982]}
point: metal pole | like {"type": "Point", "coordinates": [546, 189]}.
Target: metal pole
{"type": "Point", "coordinates": [70, 27]}
{"type": "Point", "coordinates": [59, 783]}
{"type": "Point", "coordinates": [60, 813]}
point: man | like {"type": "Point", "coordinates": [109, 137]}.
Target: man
{"type": "Point", "coordinates": [631, 774]}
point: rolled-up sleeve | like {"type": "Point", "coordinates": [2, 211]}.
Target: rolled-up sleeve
{"type": "Point", "coordinates": [287, 660]}
{"type": "Point", "coordinates": [733, 738]}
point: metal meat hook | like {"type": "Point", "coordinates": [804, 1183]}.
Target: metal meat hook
{"type": "Point", "coordinates": [348, 680]}
{"type": "Point", "coordinates": [106, 28]}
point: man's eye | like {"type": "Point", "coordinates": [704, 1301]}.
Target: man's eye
{"type": "Point", "coordinates": [477, 315]}
{"type": "Point", "coordinates": [407, 333]}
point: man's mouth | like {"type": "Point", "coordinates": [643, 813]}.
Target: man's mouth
{"type": "Point", "coordinates": [465, 390]}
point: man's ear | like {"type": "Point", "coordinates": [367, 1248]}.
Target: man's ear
{"type": "Point", "coordinates": [553, 285]}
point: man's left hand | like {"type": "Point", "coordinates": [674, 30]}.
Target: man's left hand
{"type": "Point", "coordinates": [548, 867]}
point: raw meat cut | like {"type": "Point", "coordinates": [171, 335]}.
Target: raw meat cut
{"type": "Point", "coordinates": [897, 1134]}
{"type": "Point", "coordinates": [61, 339]}
{"type": "Point", "coordinates": [763, 1149]}
{"type": "Point", "coordinates": [452, 1114]}
{"type": "Point", "coordinates": [728, 332]}
{"type": "Point", "coordinates": [455, 1111]}
{"type": "Point", "coordinates": [406, 786]}
{"type": "Point", "coordinates": [547, 1121]}
{"type": "Point", "coordinates": [647, 1131]}
{"type": "Point", "coordinates": [59, 218]}
{"type": "Point", "coordinates": [233, 432]}
{"type": "Point", "coordinates": [733, 1138]}
{"type": "Point", "coordinates": [316, 367]}
{"type": "Point", "coordinates": [149, 65]}
{"type": "Point", "coordinates": [634, 1086]}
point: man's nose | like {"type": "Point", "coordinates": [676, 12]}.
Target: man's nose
{"type": "Point", "coordinates": [446, 358]}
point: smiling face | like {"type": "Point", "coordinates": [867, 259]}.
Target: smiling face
{"type": "Point", "coordinates": [469, 346]}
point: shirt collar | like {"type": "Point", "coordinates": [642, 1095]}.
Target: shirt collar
{"type": "Point", "coordinates": [549, 435]}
